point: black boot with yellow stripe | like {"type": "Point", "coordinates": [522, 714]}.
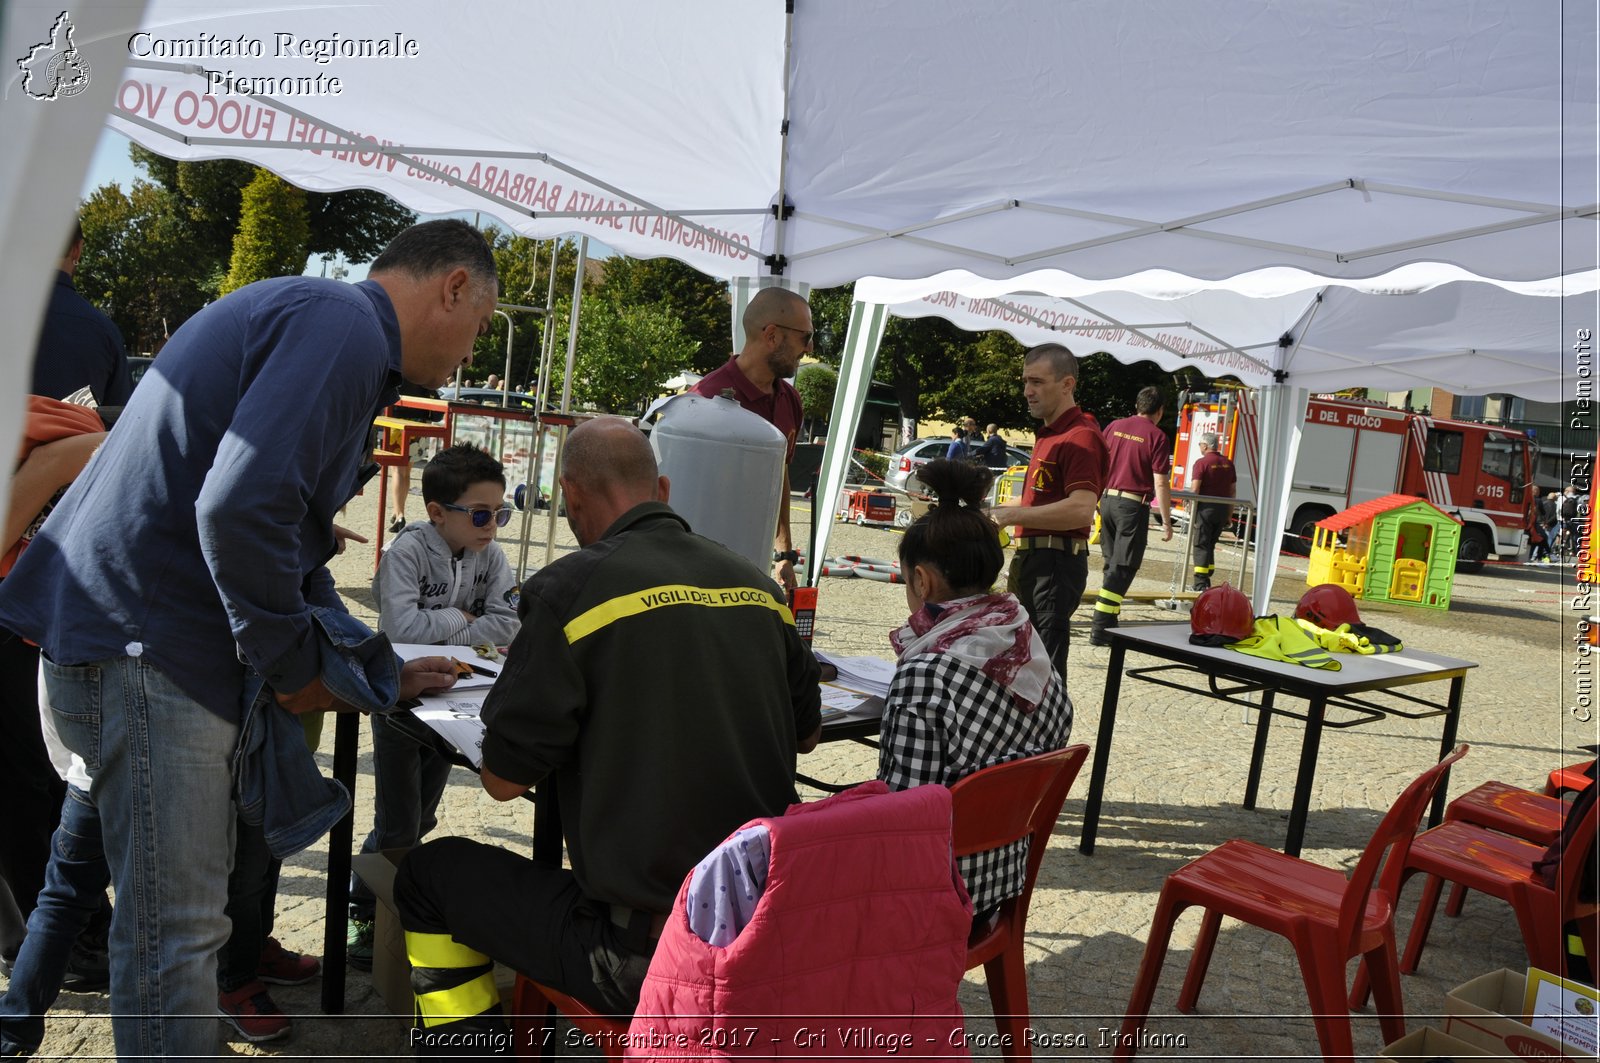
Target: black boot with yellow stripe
{"type": "Point", "coordinates": [1107, 608]}
{"type": "Point", "coordinates": [1202, 578]}
{"type": "Point", "coordinates": [457, 1005]}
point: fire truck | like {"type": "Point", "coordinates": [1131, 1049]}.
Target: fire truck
{"type": "Point", "coordinates": [1352, 451]}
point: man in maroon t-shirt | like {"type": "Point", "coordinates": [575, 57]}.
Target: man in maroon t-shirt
{"type": "Point", "coordinates": [1140, 463]}
{"type": "Point", "coordinates": [1212, 474]}
{"type": "Point", "coordinates": [1065, 475]}
{"type": "Point", "coordinates": [777, 332]}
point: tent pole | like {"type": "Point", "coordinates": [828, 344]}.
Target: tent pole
{"type": "Point", "coordinates": [566, 399]}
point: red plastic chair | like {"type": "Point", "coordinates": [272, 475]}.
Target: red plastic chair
{"type": "Point", "coordinates": [1572, 779]}
{"type": "Point", "coordinates": [1502, 867]}
{"type": "Point", "coordinates": [1508, 809]}
{"type": "Point", "coordinates": [1327, 918]}
{"type": "Point", "coordinates": [992, 807]}
{"type": "Point", "coordinates": [530, 1021]}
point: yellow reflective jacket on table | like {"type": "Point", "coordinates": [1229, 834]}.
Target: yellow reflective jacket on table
{"type": "Point", "coordinates": [1351, 638]}
{"type": "Point", "coordinates": [1282, 639]}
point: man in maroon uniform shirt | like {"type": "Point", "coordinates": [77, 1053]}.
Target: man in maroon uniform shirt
{"type": "Point", "coordinates": [1140, 462]}
{"type": "Point", "coordinates": [777, 332]}
{"type": "Point", "coordinates": [1065, 475]}
{"type": "Point", "coordinates": [1212, 474]}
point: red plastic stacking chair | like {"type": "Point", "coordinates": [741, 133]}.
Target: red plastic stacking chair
{"type": "Point", "coordinates": [1327, 918]}
{"type": "Point", "coordinates": [530, 1005]}
{"type": "Point", "coordinates": [992, 807]}
{"type": "Point", "coordinates": [1502, 867]}
{"type": "Point", "coordinates": [1510, 810]}
{"type": "Point", "coordinates": [1572, 779]}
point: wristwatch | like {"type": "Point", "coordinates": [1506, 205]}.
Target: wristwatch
{"type": "Point", "coordinates": [790, 556]}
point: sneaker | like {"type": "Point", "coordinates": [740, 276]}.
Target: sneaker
{"type": "Point", "coordinates": [358, 944]}
{"type": "Point", "coordinates": [88, 968]}
{"type": "Point", "coordinates": [396, 524]}
{"type": "Point", "coordinates": [250, 1010]}
{"type": "Point", "coordinates": [281, 967]}
{"type": "Point", "coordinates": [8, 1047]}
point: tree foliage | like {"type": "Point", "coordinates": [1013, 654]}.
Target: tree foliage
{"type": "Point", "coordinates": [700, 302]}
{"type": "Point", "coordinates": [136, 265]}
{"type": "Point", "coordinates": [816, 385]}
{"type": "Point", "coordinates": [356, 224]}
{"type": "Point", "coordinates": [625, 353]}
{"type": "Point", "coordinates": [273, 230]}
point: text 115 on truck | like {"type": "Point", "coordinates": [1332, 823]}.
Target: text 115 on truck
{"type": "Point", "coordinates": [1352, 451]}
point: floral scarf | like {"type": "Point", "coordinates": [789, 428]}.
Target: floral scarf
{"type": "Point", "coordinates": [989, 632]}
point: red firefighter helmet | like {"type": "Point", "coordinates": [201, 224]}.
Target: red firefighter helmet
{"type": "Point", "coordinates": [1223, 610]}
{"type": "Point", "coordinates": [1327, 606]}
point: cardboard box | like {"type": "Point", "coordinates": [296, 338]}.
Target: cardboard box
{"type": "Point", "coordinates": [1430, 1045]}
{"type": "Point", "coordinates": [391, 970]}
{"type": "Point", "coordinates": [1487, 1012]}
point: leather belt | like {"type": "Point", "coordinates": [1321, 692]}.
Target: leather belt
{"type": "Point", "coordinates": [638, 921]}
{"type": "Point", "coordinates": [1070, 543]}
{"type": "Point", "coordinates": [1135, 495]}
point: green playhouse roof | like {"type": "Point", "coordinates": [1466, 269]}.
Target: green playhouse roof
{"type": "Point", "coordinates": [1365, 511]}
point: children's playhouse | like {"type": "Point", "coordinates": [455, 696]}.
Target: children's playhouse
{"type": "Point", "coordinates": [1398, 548]}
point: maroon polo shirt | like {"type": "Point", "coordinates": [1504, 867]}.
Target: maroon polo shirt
{"type": "Point", "coordinates": [781, 408]}
{"type": "Point", "coordinates": [1068, 455]}
{"type": "Point", "coordinates": [1212, 475]}
{"type": "Point", "coordinates": [1138, 454]}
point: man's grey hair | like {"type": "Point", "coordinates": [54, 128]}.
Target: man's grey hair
{"type": "Point", "coordinates": [434, 247]}
{"type": "Point", "coordinates": [1209, 439]}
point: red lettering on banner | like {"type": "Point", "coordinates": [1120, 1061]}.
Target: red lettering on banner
{"type": "Point", "coordinates": [145, 98]}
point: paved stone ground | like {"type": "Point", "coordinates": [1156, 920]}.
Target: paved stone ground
{"type": "Point", "coordinates": [1173, 792]}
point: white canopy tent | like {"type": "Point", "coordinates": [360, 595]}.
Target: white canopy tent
{"type": "Point", "coordinates": [1464, 337]}
{"type": "Point", "coordinates": [889, 137]}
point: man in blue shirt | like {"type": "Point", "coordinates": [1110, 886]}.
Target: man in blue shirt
{"type": "Point", "coordinates": [78, 344]}
{"type": "Point", "coordinates": [193, 547]}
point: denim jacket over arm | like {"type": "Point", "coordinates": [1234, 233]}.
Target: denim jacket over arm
{"type": "Point", "coordinates": [276, 779]}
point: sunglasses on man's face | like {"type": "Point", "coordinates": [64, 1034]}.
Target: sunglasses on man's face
{"type": "Point", "coordinates": [482, 517]}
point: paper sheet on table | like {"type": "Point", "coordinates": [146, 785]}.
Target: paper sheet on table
{"type": "Point", "coordinates": [458, 720]}
{"type": "Point", "coordinates": [410, 651]}
{"type": "Point", "coordinates": [869, 674]}
{"type": "Point", "coordinates": [840, 703]}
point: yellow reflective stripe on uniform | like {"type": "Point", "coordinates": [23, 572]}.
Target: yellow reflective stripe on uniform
{"type": "Point", "coordinates": [1110, 596]}
{"type": "Point", "coordinates": [458, 1002]}
{"type": "Point", "coordinates": [1204, 570]}
{"type": "Point", "coordinates": [666, 596]}
{"type": "Point", "coordinates": [441, 950]}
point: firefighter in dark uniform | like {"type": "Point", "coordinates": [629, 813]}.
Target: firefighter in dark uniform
{"type": "Point", "coordinates": [1139, 463]}
{"type": "Point", "coordinates": [1211, 474]}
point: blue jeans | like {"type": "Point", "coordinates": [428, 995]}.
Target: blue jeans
{"type": "Point", "coordinates": [75, 882]}
{"type": "Point", "coordinates": [164, 789]}
{"type": "Point", "coordinates": [409, 780]}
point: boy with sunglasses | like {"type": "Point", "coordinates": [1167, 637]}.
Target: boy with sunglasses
{"type": "Point", "coordinates": [443, 581]}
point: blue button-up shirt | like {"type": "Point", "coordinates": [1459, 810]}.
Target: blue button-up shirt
{"type": "Point", "coordinates": [200, 532]}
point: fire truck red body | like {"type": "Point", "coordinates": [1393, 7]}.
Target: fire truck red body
{"type": "Point", "coordinates": [1351, 452]}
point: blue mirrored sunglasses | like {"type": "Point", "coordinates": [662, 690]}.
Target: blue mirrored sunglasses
{"type": "Point", "coordinates": [481, 517]}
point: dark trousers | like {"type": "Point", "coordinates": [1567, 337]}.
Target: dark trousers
{"type": "Point", "coordinates": [1050, 584]}
{"type": "Point", "coordinates": [409, 780]}
{"type": "Point", "coordinates": [73, 898]}
{"type": "Point", "coordinates": [30, 789]}
{"type": "Point", "coordinates": [1124, 531]}
{"type": "Point", "coordinates": [531, 918]}
{"type": "Point", "coordinates": [252, 900]}
{"type": "Point", "coordinates": [1209, 520]}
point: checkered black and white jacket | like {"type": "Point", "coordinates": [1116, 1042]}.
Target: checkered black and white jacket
{"type": "Point", "coordinates": [944, 720]}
